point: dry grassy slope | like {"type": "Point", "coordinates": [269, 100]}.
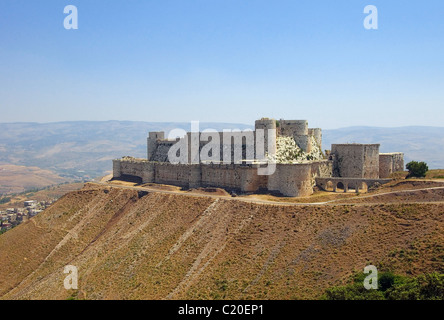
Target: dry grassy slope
{"type": "Point", "coordinates": [15, 179]}
{"type": "Point", "coordinates": [176, 246]}
{"type": "Point", "coordinates": [46, 194]}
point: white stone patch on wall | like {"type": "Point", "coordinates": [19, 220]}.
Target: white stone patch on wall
{"type": "Point", "coordinates": [288, 152]}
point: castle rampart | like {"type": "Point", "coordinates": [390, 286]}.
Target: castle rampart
{"type": "Point", "coordinates": [231, 160]}
{"type": "Point", "coordinates": [289, 179]}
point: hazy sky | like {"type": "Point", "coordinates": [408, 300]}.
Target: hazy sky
{"type": "Point", "coordinates": [223, 60]}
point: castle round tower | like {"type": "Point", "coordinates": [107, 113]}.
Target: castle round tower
{"type": "Point", "coordinates": [291, 128]}
{"type": "Point", "coordinates": [298, 130]}
{"type": "Point", "coordinates": [316, 133]}
{"type": "Point", "coordinates": [265, 123]}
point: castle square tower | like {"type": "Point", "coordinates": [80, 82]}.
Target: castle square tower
{"type": "Point", "coordinates": [355, 160]}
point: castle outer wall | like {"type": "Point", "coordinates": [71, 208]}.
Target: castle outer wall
{"type": "Point", "coordinates": [293, 180]}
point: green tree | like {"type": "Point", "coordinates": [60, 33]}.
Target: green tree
{"type": "Point", "coordinates": [417, 169]}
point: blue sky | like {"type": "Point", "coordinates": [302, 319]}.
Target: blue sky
{"type": "Point", "coordinates": [223, 60]}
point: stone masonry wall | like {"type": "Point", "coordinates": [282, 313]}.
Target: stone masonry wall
{"type": "Point", "coordinates": [304, 137]}
{"type": "Point", "coordinates": [356, 160]}
{"type": "Point", "coordinates": [398, 161]}
{"type": "Point", "coordinates": [316, 133]}
{"type": "Point", "coordinates": [178, 175]}
{"type": "Point", "coordinates": [153, 138]}
{"type": "Point", "coordinates": [389, 163]}
{"type": "Point", "coordinates": [371, 161]}
{"type": "Point", "coordinates": [289, 179]}
{"type": "Point", "coordinates": [385, 165]}
{"type": "Point", "coordinates": [244, 178]}
{"type": "Point", "coordinates": [136, 168]}
{"type": "Point", "coordinates": [298, 180]}
{"type": "Point", "coordinates": [291, 128]}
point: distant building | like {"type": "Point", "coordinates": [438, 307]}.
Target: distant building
{"type": "Point", "coordinates": [6, 226]}
{"type": "Point", "coordinates": [30, 203]}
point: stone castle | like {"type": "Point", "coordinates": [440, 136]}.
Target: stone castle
{"type": "Point", "coordinates": [300, 164]}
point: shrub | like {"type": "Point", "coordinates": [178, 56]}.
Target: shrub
{"type": "Point", "coordinates": [417, 169]}
{"type": "Point", "coordinates": [391, 287]}
{"type": "Point", "coordinates": [5, 200]}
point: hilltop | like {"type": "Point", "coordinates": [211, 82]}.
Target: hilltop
{"type": "Point", "coordinates": [135, 243]}
{"type": "Point", "coordinates": [83, 150]}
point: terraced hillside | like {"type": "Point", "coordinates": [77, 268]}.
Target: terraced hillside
{"type": "Point", "coordinates": [130, 244]}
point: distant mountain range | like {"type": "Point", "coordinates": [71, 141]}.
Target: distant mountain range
{"type": "Point", "coordinates": [84, 149]}
{"type": "Point", "coordinates": [417, 143]}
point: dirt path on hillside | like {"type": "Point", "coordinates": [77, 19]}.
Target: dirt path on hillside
{"type": "Point", "coordinates": [184, 237]}
{"type": "Point", "coordinates": [221, 234]}
{"type": "Point", "coordinates": [270, 202]}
